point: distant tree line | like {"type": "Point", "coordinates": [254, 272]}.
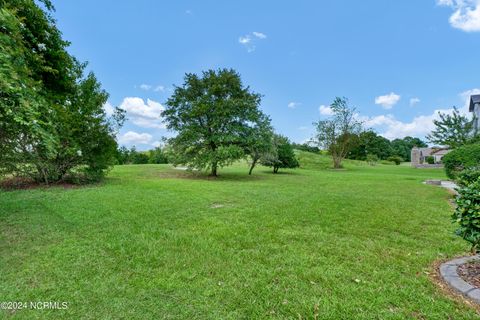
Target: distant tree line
{"type": "Point", "coordinates": [370, 143]}
{"type": "Point", "coordinates": [132, 156]}
{"type": "Point", "coordinates": [306, 147]}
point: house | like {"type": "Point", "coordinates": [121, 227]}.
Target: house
{"type": "Point", "coordinates": [438, 154]}
{"type": "Point", "coordinates": [420, 156]}
{"type": "Point", "coordinates": [475, 108]}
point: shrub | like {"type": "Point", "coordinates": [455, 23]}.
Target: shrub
{"type": "Point", "coordinates": [372, 159]}
{"type": "Point", "coordinates": [467, 214]}
{"type": "Point", "coordinates": [395, 159]}
{"type": "Point", "coordinates": [430, 160]}
{"type": "Point", "coordinates": [468, 176]}
{"type": "Point", "coordinates": [462, 158]}
{"type": "Point", "coordinates": [282, 156]}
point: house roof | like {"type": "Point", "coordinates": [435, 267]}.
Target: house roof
{"type": "Point", "coordinates": [473, 101]}
{"type": "Point", "coordinates": [441, 152]}
{"type": "Point", "coordinates": [425, 152]}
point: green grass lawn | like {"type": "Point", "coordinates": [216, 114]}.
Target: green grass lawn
{"type": "Point", "coordinates": [156, 243]}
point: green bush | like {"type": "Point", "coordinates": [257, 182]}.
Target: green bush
{"type": "Point", "coordinates": [462, 158]}
{"type": "Point", "coordinates": [395, 159]}
{"type": "Point", "coordinates": [467, 214]}
{"type": "Point", "coordinates": [468, 176]}
{"type": "Point", "coordinates": [430, 160]}
{"type": "Point", "coordinates": [283, 155]}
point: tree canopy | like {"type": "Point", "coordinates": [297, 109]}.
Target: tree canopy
{"type": "Point", "coordinates": [52, 122]}
{"type": "Point", "coordinates": [452, 130]}
{"type": "Point", "coordinates": [337, 133]}
{"type": "Point", "coordinates": [213, 115]}
{"type": "Point", "coordinates": [260, 142]}
{"type": "Point", "coordinates": [403, 147]}
{"type": "Point", "coordinates": [282, 155]}
{"type": "Point", "coordinates": [370, 143]}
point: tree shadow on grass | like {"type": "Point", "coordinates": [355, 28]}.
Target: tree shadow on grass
{"type": "Point", "coordinates": [19, 183]}
{"type": "Point", "coordinates": [223, 176]}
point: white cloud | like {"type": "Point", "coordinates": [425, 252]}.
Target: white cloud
{"type": "Point", "coordinates": [325, 110]}
{"type": "Point", "coordinates": [391, 128]}
{"type": "Point", "coordinates": [387, 101]}
{"type": "Point", "coordinates": [466, 15]}
{"type": "Point", "coordinates": [148, 123]}
{"type": "Point", "coordinates": [245, 39]}
{"type": "Point", "coordinates": [414, 101]}
{"type": "Point", "coordinates": [259, 35]}
{"type": "Point", "coordinates": [145, 87]}
{"type": "Point", "coordinates": [249, 40]}
{"type": "Point", "coordinates": [303, 128]}
{"type": "Point", "coordinates": [148, 87]}
{"type": "Point", "coordinates": [136, 106]}
{"type": "Point", "coordinates": [132, 138]}
{"type": "Point", "coordinates": [420, 126]}
{"type": "Point", "coordinates": [159, 89]}
{"type": "Point", "coordinates": [377, 121]}
{"type": "Point", "coordinates": [293, 104]}
{"type": "Point", "coordinates": [109, 109]}
{"type": "Point", "coordinates": [466, 97]}
{"type": "Point", "coordinates": [157, 143]}
{"type": "Point", "coordinates": [145, 115]}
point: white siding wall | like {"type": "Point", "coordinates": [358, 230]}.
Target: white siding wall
{"type": "Point", "coordinates": [476, 111]}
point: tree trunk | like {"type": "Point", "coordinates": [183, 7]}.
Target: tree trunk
{"type": "Point", "coordinates": [214, 169]}
{"type": "Point", "coordinates": [337, 162]}
{"type": "Point", "coordinates": [254, 162]}
{"type": "Point", "coordinates": [275, 169]}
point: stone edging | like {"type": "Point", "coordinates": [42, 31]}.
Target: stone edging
{"type": "Point", "coordinates": [448, 271]}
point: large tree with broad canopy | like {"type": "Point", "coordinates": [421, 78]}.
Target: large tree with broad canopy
{"type": "Point", "coordinates": [214, 116]}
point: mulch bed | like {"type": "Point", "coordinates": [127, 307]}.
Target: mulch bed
{"type": "Point", "coordinates": [470, 272]}
{"type": "Point", "coordinates": [19, 183]}
{"type": "Point", "coordinates": [447, 289]}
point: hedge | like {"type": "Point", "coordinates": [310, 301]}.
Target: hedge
{"type": "Point", "coordinates": [465, 157]}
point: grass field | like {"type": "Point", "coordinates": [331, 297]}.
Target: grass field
{"type": "Point", "coordinates": [156, 243]}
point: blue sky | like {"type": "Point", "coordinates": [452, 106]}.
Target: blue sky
{"type": "Point", "coordinates": [397, 61]}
